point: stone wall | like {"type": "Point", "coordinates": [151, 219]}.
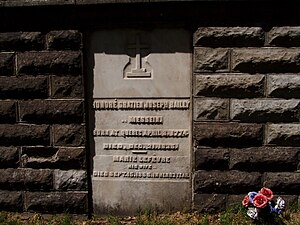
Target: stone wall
{"type": "Point", "coordinates": [42, 130]}
{"type": "Point", "coordinates": [246, 113]}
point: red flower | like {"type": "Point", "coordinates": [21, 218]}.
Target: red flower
{"type": "Point", "coordinates": [260, 201]}
{"type": "Point", "coordinates": [266, 192]}
{"type": "Point", "coordinates": [246, 201]}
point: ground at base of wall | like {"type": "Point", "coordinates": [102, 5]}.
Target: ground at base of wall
{"type": "Point", "coordinates": [234, 216]}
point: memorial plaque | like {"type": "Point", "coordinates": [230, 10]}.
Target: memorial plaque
{"type": "Point", "coordinates": [142, 132]}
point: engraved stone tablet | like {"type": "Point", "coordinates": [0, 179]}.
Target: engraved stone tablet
{"type": "Point", "coordinates": [141, 108]}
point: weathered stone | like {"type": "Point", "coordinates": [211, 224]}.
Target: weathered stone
{"type": "Point", "coordinates": [54, 62]}
{"type": "Point", "coordinates": [211, 159]}
{"type": "Point", "coordinates": [284, 36]}
{"type": "Point", "coordinates": [229, 182]}
{"type": "Point", "coordinates": [230, 86]}
{"type": "Point", "coordinates": [20, 41]}
{"type": "Point", "coordinates": [56, 202]}
{"type": "Point", "coordinates": [211, 109]}
{"type": "Point", "coordinates": [8, 112]}
{"type": "Point", "coordinates": [284, 86]}
{"type": "Point", "coordinates": [66, 87]}
{"type": "Point", "coordinates": [11, 201]}
{"type": "Point", "coordinates": [26, 179]}
{"type": "Point", "coordinates": [228, 134]}
{"type": "Point", "coordinates": [69, 135]}
{"type": "Point", "coordinates": [264, 159]}
{"type": "Point", "coordinates": [14, 3]}
{"type": "Point", "coordinates": [209, 203]}
{"type": "Point", "coordinates": [229, 36]}
{"type": "Point", "coordinates": [64, 39]}
{"type": "Point", "coordinates": [9, 157]}
{"type": "Point", "coordinates": [211, 60]}
{"type": "Point", "coordinates": [23, 87]}
{"type": "Point", "coordinates": [265, 110]}
{"type": "Point", "coordinates": [266, 60]}
{"type": "Point", "coordinates": [285, 182]}
{"type": "Point", "coordinates": [283, 134]}
{"type": "Point", "coordinates": [24, 134]}
{"type": "Point", "coordinates": [70, 180]}
{"type": "Point", "coordinates": [6, 64]}
{"type": "Point", "coordinates": [234, 200]}
{"type": "Point", "coordinates": [51, 111]}
{"type": "Point", "coordinates": [53, 158]}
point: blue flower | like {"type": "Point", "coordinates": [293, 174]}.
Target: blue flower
{"type": "Point", "coordinates": [251, 195]}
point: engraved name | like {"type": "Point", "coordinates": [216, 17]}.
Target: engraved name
{"type": "Point", "coordinates": [141, 104]}
{"type": "Point", "coordinates": [141, 146]}
{"type": "Point", "coordinates": [139, 167]}
{"type": "Point", "coordinates": [141, 159]}
{"type": "Point", "coordinates": [141, 133]}
{"type": "Point", "coordinates": [124, 174]}
{"type": "Point", "coordinates": [145, 119]}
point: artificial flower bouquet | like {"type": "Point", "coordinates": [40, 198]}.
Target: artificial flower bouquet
{"type": "Point", "coordinates": [262, 203]}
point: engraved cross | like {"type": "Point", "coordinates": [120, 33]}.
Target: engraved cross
{"type": "Point", "coordinates": [138, 71]}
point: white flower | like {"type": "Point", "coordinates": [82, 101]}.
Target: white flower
{"type": "Point", "coordinates": [280, 203]}
{"type": "Point", "coordinates": [252, 213]}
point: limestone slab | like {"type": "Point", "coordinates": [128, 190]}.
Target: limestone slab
{"type": "Point", "coordinates": [141, 115]}
{"type": "Point", "coordinates": [137, 63]}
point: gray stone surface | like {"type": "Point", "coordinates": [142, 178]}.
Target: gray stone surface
{"type": "Point", "coordinates": [283, 134]}
{"type": "Point", "coordinates": [70, 180]}
{"type": "Point", "coordinates": [229, 36]}
{"type": "Point", "coordinates": [14, 3]}
{"type": "Point", "coordinates": [211, 109]}
{"type": "Point", "coordinates": [284, 86]}
{"type": "Point", "coordinates": [266, 60]}
{"type": "Point", "coordinates": [141, 111]}
{"type": "Point", "coordinates": [229, 85]}
{"type": "Point", "coordinates": [164, 56]}
{"type": "Point", "coordinates": [211, 60]}
{"type": "Point", "coordinates": [265, 110]}
{"type": "Point", "coordinates": [284, 36]}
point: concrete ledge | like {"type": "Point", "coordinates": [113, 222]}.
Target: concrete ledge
{"type": "Point", "coordinates": [19, 3]}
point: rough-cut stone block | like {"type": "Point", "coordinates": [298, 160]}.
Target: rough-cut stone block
{"type": "Point", "coordinates": [53, 158]}
{"type": "Point", "coordinates": [8, 112]}
{"type": "Point", "coordinates": [6, 64]}
{"type": "Point", "coordinates": [18, 3]}
{"type": "Point", "coordinates": [230, 86]}
{"type": "Point", "coordinates": [234, 182]}
{"type": "Point", "coordinates": [264, 159]}
{"type": "Point", "coordinates": [56, 62]}
{"type": "Point", "coordinates": [265, 110]}
{"type": "Point", "coordinates": [70, 180]}
{"type": "Point", "coordinates": [211, 109]}
{"type": "Point", "coordinates": [284, 86]}
{"type": "Point", "coordinates": [285, 182]}
{"type": "Point", "coordinates": [23, 87]}
{"type": "Point", "coordinates": [66, 87]}
{"type": "Point", "coordinates": [283, 134]}
{"type": "Point", "coordinates": [234, 200]}
{"type": "Point", "coordinates": [284, 36]}
{"type": "Point", "coordinates": [24, 134]}
{"type": "Point", "coordinates": [228, 134]}
{"type": "Point", "coordinates": [64, 39]}
{"type": "Point", "coordinates": [211, 159]}
{"type": "Point", "coordinates": [229, 36]}
{"type": "Point", "coordinates": [20, 41]}
{"type": "Point", "coordinates": [266, 60]}
{"type": "Point", "coordinates": [9, 157]}
{"type": "Point", "coordinates": [51, 111]}
{"type": "Point", "coordinates": [209, 203]}
{"type": "Point", "coordinates": [56, 202]}
{"type": "Point", "coordinates": [211, 60]}
{"type": "Point", "coordinates": [11, 201]}
{"type": "Point", "coordinates": [69, 135]}
{"type": "Point", "coordinates": [28, 179]}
